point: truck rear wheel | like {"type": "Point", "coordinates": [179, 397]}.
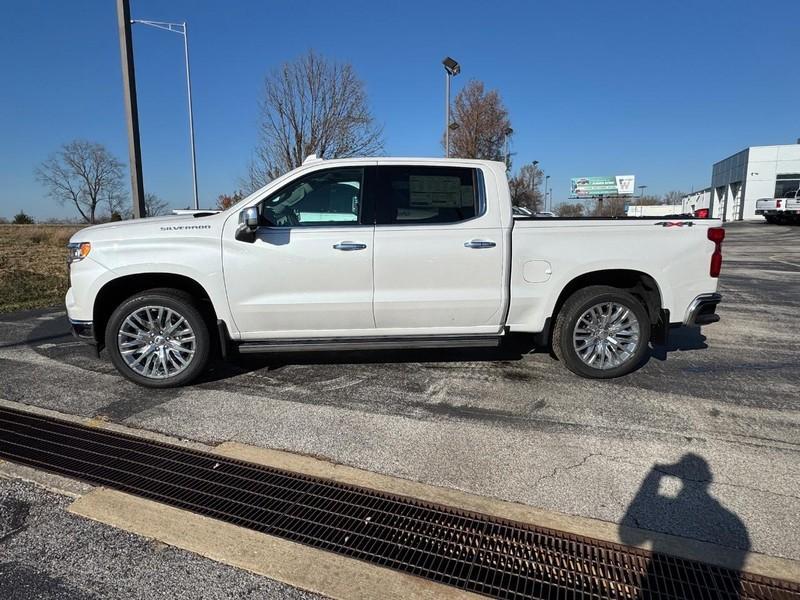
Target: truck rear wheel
{"type": "Point", "coordinates": [158, 338]}
{"type": "Point", "coordinates": [601, 332]}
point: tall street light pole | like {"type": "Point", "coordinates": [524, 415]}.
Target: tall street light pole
{"type": "Point", "coordinates": [642, 188]}
{"type": "Point", "coordinates": [131, 109]}
{"type": "Point", "coordinates": [181, 29]}
{"type": "Point", "coordinates": [451, 68]}
{"type": "Point", "coordinates": [508, 133]}
{"type": "Point", "coordinates": [546, 181]}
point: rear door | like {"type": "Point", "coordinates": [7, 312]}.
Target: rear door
{"type": "Point", "coordinates": [438, 256]}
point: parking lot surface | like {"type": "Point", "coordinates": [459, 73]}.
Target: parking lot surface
{"type": "Point", "coordinates": [702, 442]}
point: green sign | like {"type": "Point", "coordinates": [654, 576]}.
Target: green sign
{"type": "Point", "coordinates": [587, 187]}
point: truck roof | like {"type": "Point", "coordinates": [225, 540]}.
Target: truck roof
{"type": "Point", "coordinates": [313, 159]}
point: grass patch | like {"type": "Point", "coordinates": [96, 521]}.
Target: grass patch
{"type": "Point", "coordinates": [33, 268]}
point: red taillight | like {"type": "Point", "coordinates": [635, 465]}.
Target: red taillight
{"type": "Point", "coordinates": [778, 204]}
{"type": "Point", "coordinates": [716, 235]}
{"type": "Point", "coordinates": [701, 213]}
{"type": "Point", "coordinates": [716, 263]}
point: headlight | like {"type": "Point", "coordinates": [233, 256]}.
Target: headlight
{"type": "Point", "coordinates": [77, 251]}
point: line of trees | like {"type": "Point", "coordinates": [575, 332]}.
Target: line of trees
{"type": "Point", "coordinates": [312, 105]}
{"type": "Point", "coordinates": [615, 206]}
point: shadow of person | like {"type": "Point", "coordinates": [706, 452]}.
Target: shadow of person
{"type": "Point", "coordinates": [674, 499]}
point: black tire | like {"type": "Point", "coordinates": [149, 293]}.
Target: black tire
{"type": "Point", "coordinates": [770, 219]}
{"type": "Point", "coordinates": [183, 304]}
{"type": "Point", "coordinates": [572, 310]}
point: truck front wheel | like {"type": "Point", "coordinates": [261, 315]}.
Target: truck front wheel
{"type": "Point", "coordinates": [601, 332]}
{"type": "Point", "coordinates": [158, 338]}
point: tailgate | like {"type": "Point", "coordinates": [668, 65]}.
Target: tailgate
{"type": "Point", "coordinates": [792, 203]}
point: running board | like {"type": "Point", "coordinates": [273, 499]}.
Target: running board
{"type": "Point", "coordinates": [370, 343]}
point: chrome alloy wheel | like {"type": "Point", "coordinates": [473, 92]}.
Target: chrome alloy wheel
{"type": "Point", "coordinates": [606, 335]}
{"type": "Point", "coordinates": [156, 342]}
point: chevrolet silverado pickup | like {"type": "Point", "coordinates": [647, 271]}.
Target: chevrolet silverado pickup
{"type": "Point", "coordinates": [386, 253]}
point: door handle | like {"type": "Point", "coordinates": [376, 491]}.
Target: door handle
{"type": "Point", "coordinates": [348, 246]}
{"type": "Point", "coordinates": [479, 244]}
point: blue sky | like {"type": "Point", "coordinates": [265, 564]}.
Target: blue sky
{"type": "Point", "coordinates": [658, 89]}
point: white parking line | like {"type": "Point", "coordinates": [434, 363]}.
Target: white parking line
{"type": "Point", "coordinates": [785, 262]}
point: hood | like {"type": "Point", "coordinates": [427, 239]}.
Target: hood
{"type": "Point", "coordinates": [136, 227]}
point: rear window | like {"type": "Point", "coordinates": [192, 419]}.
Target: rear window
{"type": "Point", "coordinates": [420, 195]}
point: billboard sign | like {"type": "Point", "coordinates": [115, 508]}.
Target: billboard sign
{"type": "Point", "coordinates": [591, 187]}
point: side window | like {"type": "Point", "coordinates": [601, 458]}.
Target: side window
{"type": "Point", "coordinates": [786, 185]}
{"type": "Point", "coordinates": [320, 199]}
{"type": "Point", "coordinates": [418, 195]}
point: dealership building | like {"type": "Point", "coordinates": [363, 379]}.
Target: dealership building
{"type": "Point", "coordinates": [754, 173]}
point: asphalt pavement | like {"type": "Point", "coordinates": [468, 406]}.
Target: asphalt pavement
{"type": "Point", "coordinates": [701, 442]}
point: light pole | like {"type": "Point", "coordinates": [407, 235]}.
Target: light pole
{"type": "Point", "coordinates": [508, 132]}
{"type": "Point", "coordinates": [131, 108]}
{"type": "Point", "coordinates": [451, 69]}
{"type": "Point", "coordinates": [642, 188]}
{"type": "Point", "coordinates": [181, 29]}
{"type": "Point", "coordinates": [546, 181]}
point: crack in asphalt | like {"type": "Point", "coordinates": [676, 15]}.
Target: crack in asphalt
{"type": "Point", "coordinates": [580, 463]}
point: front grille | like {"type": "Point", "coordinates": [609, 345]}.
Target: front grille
{"type": "Point", "coordinates": [473, 552]}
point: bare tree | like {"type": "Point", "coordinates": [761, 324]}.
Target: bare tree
{"type": "Point", "coordinates": [571, 210]}
{"type": "Point", "coordinates": [311, 106]}
{"type": "Point", "coordinates": [673, 197]}
{"type": "Point", "coordinates": [83, 174]}
{"type": "Point", "coordinates": [524, 187]}
{"type": "Point", "coordinates": [646, 201]}
{"type": "Point", "coordinates": [155, 206]}
{"type": "Point", "coordinates": [483, 123]}
{"type": "Point", "coordinates": [613, 206]}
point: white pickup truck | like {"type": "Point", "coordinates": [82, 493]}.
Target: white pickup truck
{"type": "Point", "coordinates": [386, 253]}
{"type": "Point", "coordinates": [780, 210]}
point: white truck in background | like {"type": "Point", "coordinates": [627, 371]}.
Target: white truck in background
{"type": "Point", "coordinates": [386, 253]}
{"type": "Point", "coordinates": [780, 210]}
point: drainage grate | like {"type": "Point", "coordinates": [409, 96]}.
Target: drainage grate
{"type": "Point", "coordinates": [472, 552]}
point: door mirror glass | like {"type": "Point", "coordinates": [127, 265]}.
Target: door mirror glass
{"type": "Point", "coordinates": [249, 218]}
{"type": "Point", "coordinates": [248, 224]}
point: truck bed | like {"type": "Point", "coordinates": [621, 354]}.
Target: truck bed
{"type": "Point", "coordinates": [548, 254]}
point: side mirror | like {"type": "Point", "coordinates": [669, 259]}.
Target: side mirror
{"type": "Point", "coordinates": [248, 224]}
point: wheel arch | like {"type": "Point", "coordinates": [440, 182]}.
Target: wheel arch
{"type": "Point", "coordinates": [638, 283]}
{"type": "Point", "coordinates": [642, 285]}
{"type": "Point", "coordinates": [115, 291]}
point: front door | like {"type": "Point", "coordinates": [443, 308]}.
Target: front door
{"type": "Point", "coordinates": [308, 273]}
{"type": "Point", "coordinates": [438, 253]}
